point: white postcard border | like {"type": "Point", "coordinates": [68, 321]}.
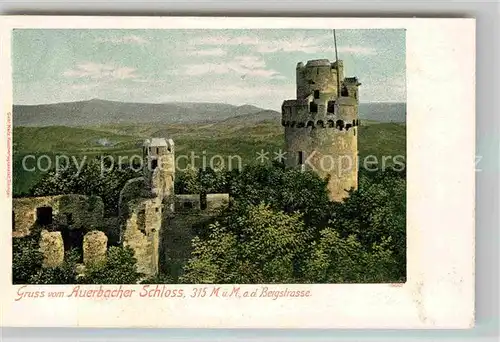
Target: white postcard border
{"type": "Point", "coordinates": [439, 292]}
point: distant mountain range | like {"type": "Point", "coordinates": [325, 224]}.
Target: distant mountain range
{"type": "Point", "coordinates": [99, 112]}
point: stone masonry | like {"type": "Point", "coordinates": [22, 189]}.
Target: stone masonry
{"type": "Point", "coordinates": [70, 211]}
{"type": "Point", "coordinates": [321, 125]}
{"type": "Point", "coordinates": [146, 205]}
{"type": "Point", "coordinates": [320, 134]}
{"type": "Point", "coordinates": [52, 248]}
{"type": "Point", "coordinates": [95, 246]}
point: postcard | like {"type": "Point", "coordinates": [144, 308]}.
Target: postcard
{"type": "Point", "coordinates": [237, 172]}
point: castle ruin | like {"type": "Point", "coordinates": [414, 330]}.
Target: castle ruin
{"type": "Point", "coordinates": [148, 208]}
{"type": "Point", "coordinates": [320, 135]}
{"type": "Point", "coordinates": [321, 125]}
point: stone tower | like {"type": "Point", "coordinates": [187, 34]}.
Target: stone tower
{"type": "Point", "coordinates": [159, 167]}
{"type": "Point", "coordinates": [321, 125]}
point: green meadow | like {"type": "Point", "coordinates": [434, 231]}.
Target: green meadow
{"type": "Point", "coordinates": [202, 140]}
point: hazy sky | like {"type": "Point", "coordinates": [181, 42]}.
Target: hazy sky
{"type": "Point", "coordinates": [233, 66]}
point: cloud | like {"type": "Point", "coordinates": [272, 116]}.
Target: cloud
{"type": "Point", "coordinates": [131, 39]}
{"type": "Point", "coordinates": [296, 43]}
{"type": "Point", "coordinates": [208, 52]}
{"type": "Point", "coordinates": [241, 65]}
{"type": "Point", "coordinates": [389, 88]}
{"type": "Point", "coordinates": [225, 40]}
{"type": "Point", "coordinates": [307, 47]}
{"type": "Point", "coordinates": [86, 86]}
{"type": "Point", "coordinates": [98, 71]}
{"type": "Point", "coordinates": [356, 50]}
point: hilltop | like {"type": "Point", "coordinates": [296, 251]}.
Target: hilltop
{"type": "Point", "coordinates": [97, 112]}
{"type": "Point", "coordinates": [102, 112]}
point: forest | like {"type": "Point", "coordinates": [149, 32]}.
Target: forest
{"type": "Point", "coordinates": [280, 227]}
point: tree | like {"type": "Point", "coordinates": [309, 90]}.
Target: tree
{"type": "Point", "coordinates": [208, 180]}
{"type": "Point", "coordinates": [96, 178]}
{"type": "Point", "coordinates": [288, 190]}
{"type": "Point", "coordinates": [375, 213]}
{"type": "Point", "coordinates": [27, 264]}
{"type": "Point", "coordinates": [26, 259]}
{"type": "Point", "coordinates": [64, 274]}
{"type": "Point", "coordinates": [119, 268]}
{"type": "Point", "coordinates": [260, 246]}
{"type": "Point", "coordinates": [345, 260]}
{"type": "Point", "coordinates": [281, 227]}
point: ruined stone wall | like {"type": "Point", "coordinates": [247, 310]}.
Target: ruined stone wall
{"type": "Point", "coordinates": [178, 230]}
{"type": "Point", "coordinates": [217, 201]}
{"type": "Point", "coordinates": [162, 183]}
{"type": "Point", "coordinates": [52, 248]}
{"type": "Point", "coordinates": [133, 188]}
{"type": "Point", "coordinates": [192, 203]}
{"type": "Point", "coordinates": [187, 203]}
{"type": "Point", "coordinates": [142, 211]}
{"type": "Point", "coordinates": [95, 246]}
{"type": "Point", "coordinates": [142, 232]}
{"type": "Point", "coordinates": [65, 221]}
{"type": "Point", "coordinates": [159, 171]}
{"type": "Point", "coordinates": [70, 211]}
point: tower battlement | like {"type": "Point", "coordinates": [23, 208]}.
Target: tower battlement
{"type": "Point", "coordinates": [159, 166]}
{"type": "Point", "coordinates": [322, 108]}
{"type": "Point", "coordinates": [337, 124]}
{"type": "Point", "coordinates": [322, 121]}
{"type": "Point", "coordinates": [319, 75]}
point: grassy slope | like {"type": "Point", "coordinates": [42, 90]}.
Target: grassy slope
{"type": "Point", "coordinates": [203, 139]}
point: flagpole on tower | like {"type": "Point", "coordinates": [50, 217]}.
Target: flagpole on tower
{"type": "Point", "coordinates": [336, 62]}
